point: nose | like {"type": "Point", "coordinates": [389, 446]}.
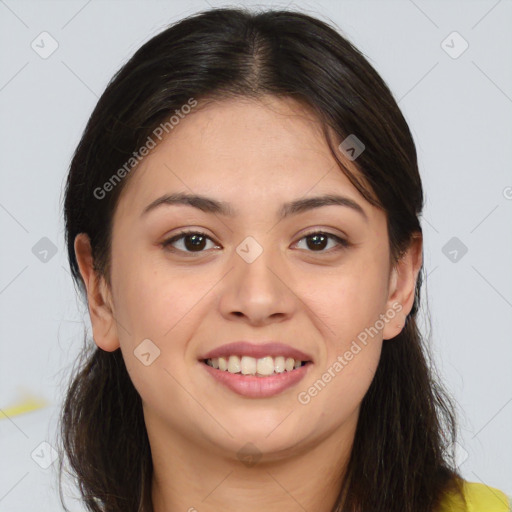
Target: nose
{"type": "Point", "coordinates": [260, 291]}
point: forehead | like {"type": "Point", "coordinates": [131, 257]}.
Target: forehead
{"type": "Point", "coordinates": [241, 150]}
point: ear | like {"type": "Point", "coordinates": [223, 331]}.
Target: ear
{"type": "Point", "coordinates": [402, 286]}
{"type": "Point", "coordinates": [98, 297]}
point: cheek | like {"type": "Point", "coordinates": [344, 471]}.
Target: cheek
{"type": "Point", "coordinates": [155, 301]}
{"type": "Point", "coordinates": [334, 391]}
{"type": "Point", "coordinates": [337, 394]}
{"type": "Point", "coordinates": [347, 303]}
{"type": "Point", "coordinates": [162, 307]}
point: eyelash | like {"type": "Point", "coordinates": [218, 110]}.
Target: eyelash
{"type": "Point", "coordinates": [342, 243]}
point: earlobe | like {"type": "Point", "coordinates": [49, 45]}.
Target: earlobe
{"type": "Point", "coordinates": [98, 297]}
{"type": "Point", "coordinates": [394, 309]}
{"type": "Point", "coordinates": [403, 286]}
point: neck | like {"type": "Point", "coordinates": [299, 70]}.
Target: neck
{"type": "Point", "coordinates": [192, 478]}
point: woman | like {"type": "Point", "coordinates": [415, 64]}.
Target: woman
{"type": "Point", "coordinates": [242, 217]}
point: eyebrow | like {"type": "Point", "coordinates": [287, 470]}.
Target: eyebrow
{"type": "Point", "coordinates": [210, 205]}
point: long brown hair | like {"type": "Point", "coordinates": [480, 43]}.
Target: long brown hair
{"type": "Point", "coordinates": [402, 456]}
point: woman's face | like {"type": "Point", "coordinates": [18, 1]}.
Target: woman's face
{"type": "Point", "coordinates": [251, 275]}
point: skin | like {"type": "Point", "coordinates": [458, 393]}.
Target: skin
{"type": "Point", "coordinates": [254, 155]}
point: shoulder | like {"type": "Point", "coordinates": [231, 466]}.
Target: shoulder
{"type": "Point", "coordinates": [479, 498]}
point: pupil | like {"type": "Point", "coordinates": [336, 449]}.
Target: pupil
{"type": "Point", "coordinates": [197, 244]}
{"type": "Point", "coordinates": [316, 245]}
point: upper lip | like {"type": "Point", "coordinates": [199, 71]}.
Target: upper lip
{"type": "Point", "coordinates": [259, 350]}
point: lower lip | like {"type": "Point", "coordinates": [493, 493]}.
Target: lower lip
{"type": "Point", "coordinates": [258, 387]}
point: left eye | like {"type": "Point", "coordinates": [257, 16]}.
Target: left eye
{"type": "Point", "coordinates": [197, 241]}
{"type": "Point", "coordinates": [318, 239]}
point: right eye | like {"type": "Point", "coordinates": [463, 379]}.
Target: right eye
{"type": "Point", "coordinates": [192, 240]}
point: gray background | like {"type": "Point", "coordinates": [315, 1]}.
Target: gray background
{"type": "Point", "coordinates": [459, 111]}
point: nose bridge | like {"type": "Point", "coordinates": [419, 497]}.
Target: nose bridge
{"type": "Point", "coordinates": [255, 260]}
{"type": "Point", "coordinates": [255, 287]}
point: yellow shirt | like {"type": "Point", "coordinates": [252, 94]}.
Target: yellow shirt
{"type": "Point", "coordinates": [480, 498]}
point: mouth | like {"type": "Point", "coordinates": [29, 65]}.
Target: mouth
{"type": "Point", "coordinates": [260, 378]}
{"type": "Point", "coordinates": [255, 367]}
{"type": "Point", "coordinates": [256, 370]}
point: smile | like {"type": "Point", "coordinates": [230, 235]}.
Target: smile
{"type": "Point", "coordinates": [263, 378]}
{"type": "Point", "coordinates": [247, 365]}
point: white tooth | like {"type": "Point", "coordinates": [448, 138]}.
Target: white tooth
{"type": "Point", "coordinates": [251, 366]}
{"type": "Point", "coordinates": [248, 365]}
{"type": "Point", "coordinates": [266, 365]}
{"type": "Point", "coordinates": [234, 364]}
{"type": "Point", "coordinates": [279, 364]}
